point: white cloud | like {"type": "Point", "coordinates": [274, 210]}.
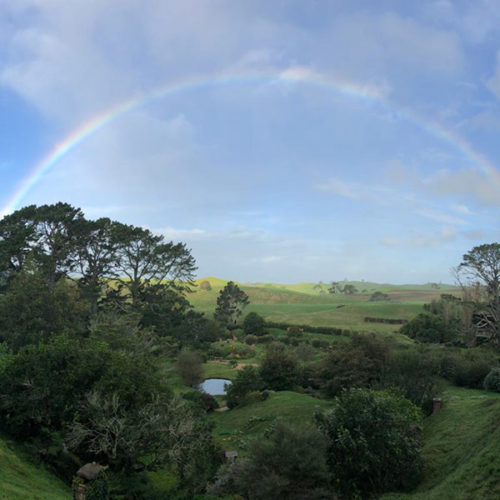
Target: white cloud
{"type": "Point", "coordinates": [439, 216]}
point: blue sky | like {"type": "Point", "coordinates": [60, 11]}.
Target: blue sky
{"type": "Point", "coordinates": [388, 172]}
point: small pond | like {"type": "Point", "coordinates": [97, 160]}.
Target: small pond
{"type": "Point", "coordinates": [214, 386]}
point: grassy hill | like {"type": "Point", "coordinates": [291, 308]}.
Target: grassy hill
{"type": "Point", "coordinates": [21, 479]}
{"type": "Point", "coordinates": [461, 449]}
{"type": "Point", "coordinates": [305, 303]}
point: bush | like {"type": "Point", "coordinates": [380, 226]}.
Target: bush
{"type": "Point", "coordinates": [253, 324]}
{"type": "Point", "coordinates": [492, 380]}
{"type": "Point", "coordinates": [190, 368]}
{"type": "Point", "coordinates": [290, 464]}
{"type": "Point", "coordinates": [247, 381]}
{"type": "Point", "coordinates": [427, 327]}
{"type": "Point", "coordinates": [279, 370]}
{"type": "Point", "coordinates": [414, 372]}
{"type": "Point", "coordinates": [251, 339]}
{"type": "Point", "coordinates": [373, 442]}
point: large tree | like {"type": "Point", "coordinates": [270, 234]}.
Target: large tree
{"type": "Point", "coordinates": [230, 303]}
{"type": "Point", "coordinates": [45, 234]}
{"type": "Point", "coordinates": [144, 261]}
{"type": "Point", "coordinates": [482, 264]}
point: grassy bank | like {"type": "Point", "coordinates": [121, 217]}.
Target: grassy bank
{"type": "Point", "coordinates": [461, 449]}
{"type": "Point", "coordinates": [21, 479]}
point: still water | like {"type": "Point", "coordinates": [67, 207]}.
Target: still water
{"type": "Point", "coordinates": [214, 386]}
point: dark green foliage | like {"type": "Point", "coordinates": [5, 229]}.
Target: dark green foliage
{"type": "Point", "coordinates": [430, 328]}
{"type": "Point", "coordinates": [355, 364]}
{"type": "Point", "coordinates": [41, 386]}
{"type": "Point", "coordinates": [414, 372]}
{"type": "Point", "coordinates": [32, 311]}
{"type": "Point", "coordinates": [98, 489]}
{"type": "Point", "coordinates": [492, 380]}
{"type": "Point", "coordinates": [189, 366]}
{"type": "Point", "coordinates": [248, 380]}
{"type": "Point", "coordinates": [253, 324]}
{"type": "Point", "coordinates": [376, 296]}
{"type": "Point", "coordinates": [203, 400]}
{"type": "Point", "coordinates": [279, 370]}
{"type": "Point", "coordinates": [230, 304]}
{"type": "Point", "coordinates": [288, 464]}
{"type": "Point", "coordinates": [195, 330]}
{"type": "Point", "coordinates": [144, 262]}
{"type": "Point", "coordinates": [374, 442]}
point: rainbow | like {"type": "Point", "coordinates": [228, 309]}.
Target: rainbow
{"type": "Point", "coordinates": [293, 75]}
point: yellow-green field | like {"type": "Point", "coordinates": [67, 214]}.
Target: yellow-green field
{"type": "Point", "coordinates": [306, 303]}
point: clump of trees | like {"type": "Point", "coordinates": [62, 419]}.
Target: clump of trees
{"type": "Point", "coordinates": [87, 309]}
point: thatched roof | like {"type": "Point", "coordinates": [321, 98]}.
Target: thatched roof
{"type": "Point", "coordinates": [90, 471]}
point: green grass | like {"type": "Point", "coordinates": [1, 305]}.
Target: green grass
{"type": "Point", "coordinates": [303, 304]}
{"type": "Point", "coordinates": [21, 479]}
{"type": "Point", "coordinates": [235, 429]}
{"type": "Point", "coordinates": [461, 449]}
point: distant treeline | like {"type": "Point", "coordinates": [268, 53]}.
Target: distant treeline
{"type": "Point", "coordinates": [387, 321]}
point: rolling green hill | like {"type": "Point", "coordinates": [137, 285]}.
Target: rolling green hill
{"type": "Point", "coordinates": [302, 303]}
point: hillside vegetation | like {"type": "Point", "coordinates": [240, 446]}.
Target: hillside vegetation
{"type": "Point", "coordinates": [21, 479]}
{"type": "Point", "coordinates": [461, 449]}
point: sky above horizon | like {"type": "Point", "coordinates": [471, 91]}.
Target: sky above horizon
{"type": "Point", "coordinates": [282, 141]}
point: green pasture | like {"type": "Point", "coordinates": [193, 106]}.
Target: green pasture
{"type": "Point", "coordinates": [302, 303]}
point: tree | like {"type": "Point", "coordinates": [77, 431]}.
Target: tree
{"type": "Point", "coordinates": [279, 370]}
{"type": "Point", "coordinates": [350, 289]}
{"type": "Point", "coordinates": [353, 364]}
{"type": "Point", "coordinates": [482, 264]}
{"type": "Point", "coordinates": [145, 261]}
{"type": "Point", "coordinates": [373, 442]}
{"type": "Point", "coordinates": [427, 327]}
{"type": "Point", "coordinates": [31, 311]}
{"type": "Point", "coordinates": [190, 368]}
{"type": "Point", "coordinates": [205, 286]}
{"type": "Point", "coordinates": [230, 304]}
{"type": "Point", "coordinates": [95, 257]}
{"type": "Point", "coordinates": [253, 324]}
{"type": "Point", "coordinates": [289, 464]}
{"type": "Point", "coordinates": [247, 380]}
{"type": "Point", "coordinates": [46, 234]}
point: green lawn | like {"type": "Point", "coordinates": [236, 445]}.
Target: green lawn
{"type": "Point", "coordinates": [23, 480]}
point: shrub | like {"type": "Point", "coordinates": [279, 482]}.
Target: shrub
{"type": "Point", "coordinates": [253, 324]}
{"type": "Point", "coordinates": [492, 380]}
{"type": "Point", "coordinates": [189, 367]}
{"type": "Point", "coordinates": [279, 370]}
{"type": "Point", "coordinates": [290, 464]}
{"type": "Point", "coordinates": [247, 380]}
{"type": "Point", "coordinates": [205, 286]}
{"type": "Point", "coordinates": [414, 372]}
{"type": "Point", "coordinates": [427, 327]}
{"type": "Point", "coordinates": [373, 442]}
{"type": "Point", "coordinates": [251, 339]}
